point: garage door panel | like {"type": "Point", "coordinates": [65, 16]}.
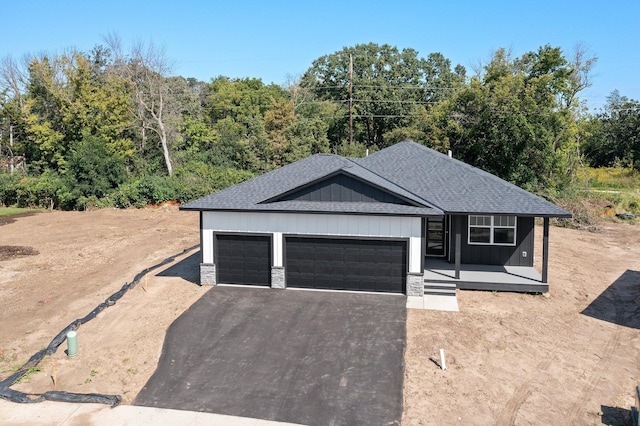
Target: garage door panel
{"type": "Point", "coordinates": [337, 253]}
{"type": "Point", "coordinates": [243, 259]}
{"type": "Point", "coordinates": [349, 264]}
{"type": "Point", "coordinates": [306, 277]}
{"type": "Point", "coordinates": [339, 269]}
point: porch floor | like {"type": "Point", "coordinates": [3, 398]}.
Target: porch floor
{"type": "Point", "coordinates": [521, 279]}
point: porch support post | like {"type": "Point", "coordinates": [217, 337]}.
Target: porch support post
{"type": "Point", "coordinates": [545, 252]}
{"type": "Point", "coordinates": [458, 245]}
{"type": "Point", "coordinates": [201, 237]}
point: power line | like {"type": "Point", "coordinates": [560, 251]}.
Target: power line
{"type": "Point", "coordinates": [381, 86]}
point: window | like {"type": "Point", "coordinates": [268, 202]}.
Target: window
{"type": "Point", "coordinates": [492, 230]}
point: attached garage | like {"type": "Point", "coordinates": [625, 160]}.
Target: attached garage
{"type": "Point", "coordinates": [346, 264]}
{"type": "Point", "coordinates": [243, 259]}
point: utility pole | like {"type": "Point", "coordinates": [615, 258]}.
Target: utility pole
{"type": "Point", "coordinates": [350, 99]}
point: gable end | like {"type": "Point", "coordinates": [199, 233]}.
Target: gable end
{"type": "Point", "coordinates": [343, 188]}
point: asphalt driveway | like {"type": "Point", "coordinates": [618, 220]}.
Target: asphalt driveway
{"type": "Point", "coordinates": [316, 358]}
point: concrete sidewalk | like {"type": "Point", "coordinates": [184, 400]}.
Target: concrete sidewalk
{"type": "Point", "coordinates": [433, 303]}
{"type": "Point", "coordinates": [68, 414]}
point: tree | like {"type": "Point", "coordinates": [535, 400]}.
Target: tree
{"type": "Point", "coordinates": [13, 80]}
{"type": "Point", "coordinates": [614, 137]}
{"type": "Point", "coordinates": [513, 120]}
{"type": "Point", "coordinates": [237, 109]}
{"type": "Point", "coordinates": [67, 97]}
{"type": "Point", "coordinates": [241, 99]}
{"type": "Point", "coordinates": [388, 84]}
{"type": "Point", "coordinates": [94, 170]}
{"type": "Point", "coordinates": [145, 68]}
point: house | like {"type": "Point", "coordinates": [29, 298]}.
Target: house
{"type": "Point", "coordinates": [406, 219]}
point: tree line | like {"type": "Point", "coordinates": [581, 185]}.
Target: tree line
{"type": "Point", "coordinates": [114, 127]}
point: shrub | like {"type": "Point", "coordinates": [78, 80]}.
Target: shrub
{"type": "Point", "coordinates": [127, 195]}
{"type": "Point", "coordinates": [156, 189]}
{"type": "Point", "coordinates": [49, 190]}
{"type": "Point", "coordinates": [94, 169]}
{"type": "Point", "coordinates": [8, 186]}
{"type": "Point", "coordinates": [197, 179]}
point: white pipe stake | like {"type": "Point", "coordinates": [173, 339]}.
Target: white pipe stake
{"type": "Point", "coordinates": [443, 365]}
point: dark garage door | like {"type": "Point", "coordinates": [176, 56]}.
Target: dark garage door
{"type": "Point", "coordinates": [346, 264]}
{"type": "Point", "coordinates": [243, 259]}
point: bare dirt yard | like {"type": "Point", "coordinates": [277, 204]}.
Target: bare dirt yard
{"type": "Point", "coordinates": [569, 357]}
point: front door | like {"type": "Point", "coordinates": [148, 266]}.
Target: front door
{"type": "Point", "coordinates": [436, 236]}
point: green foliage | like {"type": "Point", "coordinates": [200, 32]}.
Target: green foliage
{"type": "Point", "coordinates": [144, 191]}
{"type": "Point", "coordinates": [619, 186]}
{"type": "Point", "coordinates": [241, 99]}
{"type": "Point", "coordinates": [387, 86]}
{"type": "Point", "coordinates": [11, 211]}
{"type": "Point", "coordinates": [30, 372]}
{"type": "Point", "coordinates": [598, 195]}
{"type": "Point", "coordinates": [85, 122]}
{"type": "Point", "coordinates": [611, 178]}
{"type": "Point", "coordinates": [8, 186]}
{"type": "Point", "coordinates": [94, 170]}
{"type": "Point", "coordinates": [613, 137]}
{"type": "Point", "coordinates": [197, 179]}
{"type": "Point", "coordinates": [510, 122]}
{"type": "Point", "coordinates": [191, 181]}
{"type": "Point", "coordinates": [354, 150]}
{"type": "Point", "coordinates": [49, 190]}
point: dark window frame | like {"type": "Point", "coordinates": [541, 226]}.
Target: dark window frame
{"type": "Point", "coordinates": [493, 224]}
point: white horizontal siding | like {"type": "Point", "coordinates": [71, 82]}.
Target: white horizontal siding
{"type": "Point", "coordinates": [314, 224]}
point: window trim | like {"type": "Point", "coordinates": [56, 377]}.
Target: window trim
{"type": "Point", "coordinates": [492, 227]}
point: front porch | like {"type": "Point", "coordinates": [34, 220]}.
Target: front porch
{"type": "Point", "coordinates": [519, 279]}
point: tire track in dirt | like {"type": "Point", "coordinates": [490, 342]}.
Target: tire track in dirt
{"type": "Point", "coordinates": [603, 366]}
{"type": "Point", "coordinates": [510, 410]}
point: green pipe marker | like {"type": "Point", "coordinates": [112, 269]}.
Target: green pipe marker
{"type": "Point", "coordinates": [72, 344]}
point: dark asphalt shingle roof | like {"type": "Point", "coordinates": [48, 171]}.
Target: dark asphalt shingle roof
{"type": "Point", "coordinates": [452, 185]}
{"type": "Point", "coordinates": [431, 181]}
{"type": "Point", "coordinates": [252, 194]}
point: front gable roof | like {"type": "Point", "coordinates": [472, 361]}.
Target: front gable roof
{"type": "Point", "coordinates": [404, 179]}
{"type": "Point", "coordinates": [272, 191]}
{"type": "Point", "coordinates": [341, 187]}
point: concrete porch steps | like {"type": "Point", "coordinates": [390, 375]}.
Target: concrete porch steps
{"type": "Point", "coordinates": [439, 289]}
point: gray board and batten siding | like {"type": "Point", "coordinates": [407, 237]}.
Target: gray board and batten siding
{"type": "Point", "coordinates": [519, 255]}
{"type": "Point", "coordinates": [345, 189]}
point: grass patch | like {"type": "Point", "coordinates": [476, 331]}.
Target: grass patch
{"type": "Point", "coordinates": [12, 211]}
{"type": "Point", "coordinates": [30, 372]}
{"type": "Point", "coordinates": [611, 178]}
{"type": "Point", "coordinates": [599, 195]}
